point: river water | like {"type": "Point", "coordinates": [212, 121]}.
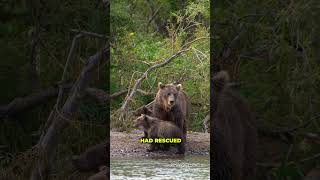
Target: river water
{"type": "Point", "coordinates": [164, 168]}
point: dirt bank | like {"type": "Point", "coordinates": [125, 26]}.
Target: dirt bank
{"type": "Point", "coordinates": [126, 144]}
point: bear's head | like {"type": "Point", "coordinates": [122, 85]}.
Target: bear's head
{"type": "Point", "coordinates": [141, 122]}
{"type": "Point", "coordinates": [220, 81]}
{"type": "Point", "coordinates": [167, 95]}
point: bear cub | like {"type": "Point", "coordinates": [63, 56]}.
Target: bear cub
{"type": "Point", "coordinates": [157, 128]}
{"type": "Point", "coordinates": [139, 112]}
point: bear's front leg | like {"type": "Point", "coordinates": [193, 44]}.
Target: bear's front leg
{"type": "Point", "coordinates": [151, 148]}
{"type": "Point", "coordinates": [145, 134]}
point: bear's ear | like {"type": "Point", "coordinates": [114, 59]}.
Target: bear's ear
{"type": "Point", "coordinates": [160, 85]}
{"type": "Point", "coordinates": [179, 87]}
{"type": "Point", "coordinates": [102, 168]}
{"type": "Point", "coordinates": [220, 81]}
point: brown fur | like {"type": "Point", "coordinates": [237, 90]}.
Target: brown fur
{"type": "Point", "coordinates": [178, 111]}
{"type": "Point", "coordinates": [314, 174]}
{"type": "Point", "coordinates": [101, 175]}
{"type": "Point", "coordinates": [234, 133]}
{"type": "Point", "coordinates": [157, 128]}
{"type": "Point", "coordinates": [94, 157]}
{"type": "Point", "coordinates": [142, 110]}
{"type": "Point", "coordinates": [139, 112]}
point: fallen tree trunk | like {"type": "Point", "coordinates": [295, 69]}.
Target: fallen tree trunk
{"type": "Point", "coordinates": [49, 139]}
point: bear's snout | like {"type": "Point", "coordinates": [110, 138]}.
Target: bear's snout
{"type": "Point", "coordinates": [171, 100]}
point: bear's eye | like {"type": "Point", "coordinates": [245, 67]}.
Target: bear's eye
{"type": "Point", "coordinates": [168, 94]}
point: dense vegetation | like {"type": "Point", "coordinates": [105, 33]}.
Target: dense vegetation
{"type": "Point", "coordinates": [271, 49]}
{"type": "Point", "coordinates": [35, 38]}
{"type": "Point", "coordinates": [145, 33]}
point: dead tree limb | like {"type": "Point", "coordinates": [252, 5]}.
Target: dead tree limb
{"type": "Point", "coordinates": [34, 47]}
{"type": "Point", "coordinates": [101, 96]}
{"type": "Point", "coordinates": [22, 104]}
{"type": "Point", "coordinates": [153, 16]}
{"type": "Point", "coordinates": [146, 93]}
{"type": "Point", "coordinates": [271, 130]}
{"type": "Point", "coordinates": [34, 34]}
{"type": "Point", "coordinates": [68, 61]}
{"type": "Point", "coordinates": [124, 107]}
{"type": "Point", "coordinates": [206, 123]}
{"type": "Point", "coordinates": [272, 165]}
{"type": "Point", "coordinates": [49, 139]}
{"type": "Point", "coordinates": [91, 34]}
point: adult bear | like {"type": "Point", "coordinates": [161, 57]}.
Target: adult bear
{"type": "Point", "coordinates": [172, 104]}
{"type": "Point", "coordinates": [234, 133]}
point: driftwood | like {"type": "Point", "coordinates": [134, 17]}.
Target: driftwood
{"type": "Point", "coordinates": [206, 123]}
{"type": "Point", "coordinates": [49, 139]}
{"type": "Point", "coordinates": [124, 107]}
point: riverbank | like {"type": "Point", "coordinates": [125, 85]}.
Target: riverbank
{"type": "Point", "coordinates": [125, 144]}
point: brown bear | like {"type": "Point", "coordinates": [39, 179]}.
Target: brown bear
{"type": "Point", "coordinates": [139, 112]}
{"type": "Point", "coordinates": [314, 174]}
{"type": "Point", "coordinates": [142, 110]}
{"type": "Point", "coordinates": [157, 128]}
{"type": "Point", "coordinates": [172, 104]}
{"type": "Point", "coordinates": [234, 132]}
{"type": "Point", "coordinates": [101, 175]}
{"type": "Point", "coordinates": [94, 157]}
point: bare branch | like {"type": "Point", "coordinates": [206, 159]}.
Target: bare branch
{"type": "Point", "coordinates": [68, 61]}
{"type": "Point", "coordinates": [102, 96]}
{"type": "Point", "coordinates": [34, 34]}
{"type": "Point", "coordinates": [153, 16]}
{"type": "Point", "coordinates": [272, 130]}
{"type": "Point", "coordinates": [271, 165]}
{"type": "Point", "coordinates": [193, 41]}
{"type": "Point", "coordinates": [124, 107]}
{"type": "Point", "coordinates": [49, 139]}
{"type": "Point", "coordinates": [91, 34]}
{"type": "Point", "coordinates": [21, 104]}
{"type": "Point", "coordinates": [146, 93]}
{"type": "Point", "coordinates": [206, 123]}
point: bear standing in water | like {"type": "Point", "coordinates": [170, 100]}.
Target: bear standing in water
{"type": "Point", "coordinates": [234, 133]}
{"type": "Point", "coordinates": [157, 128]}
{"type": "Point", "coordinates": [172, 104]}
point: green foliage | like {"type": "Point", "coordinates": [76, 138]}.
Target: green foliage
{"type": "Point", "coordinates": [271, 47]}
{"type": "Point", "coordinates": [22, 131]}
{"type": "Point", "coordinates": [137, 46]}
